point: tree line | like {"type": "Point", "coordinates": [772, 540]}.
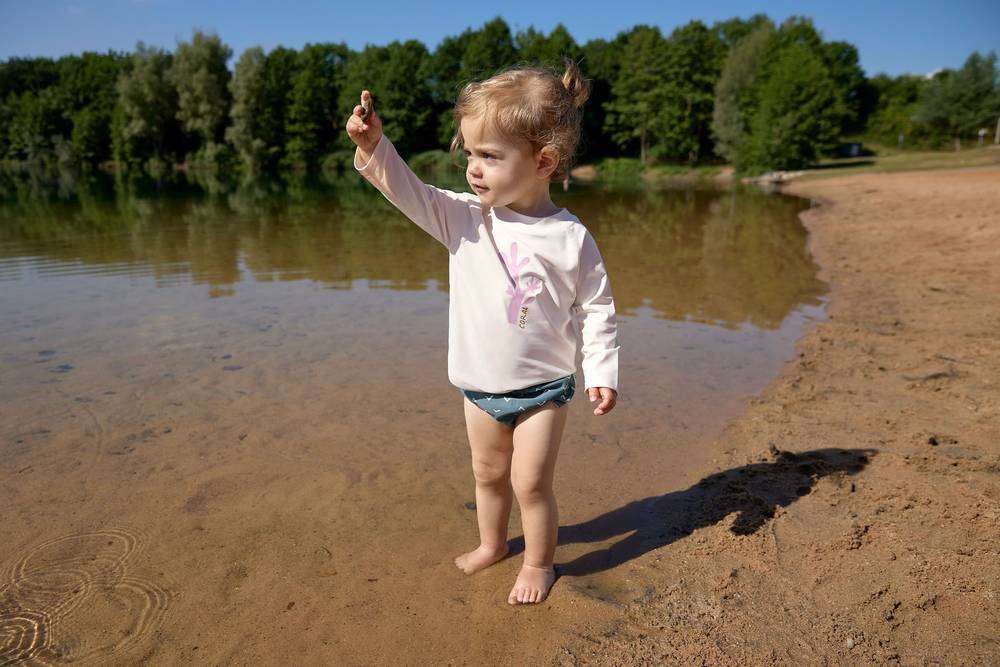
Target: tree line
{"type": "Point", "coordinates": [759, 95]}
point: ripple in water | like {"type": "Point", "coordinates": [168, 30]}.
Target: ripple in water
{"type": "Point", "coordinates": [71, 582]}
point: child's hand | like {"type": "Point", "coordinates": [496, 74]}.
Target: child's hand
{"type": "Point", "coordinates": [607, 396]}
{"type": "Point", "coordinates": [365, 132]}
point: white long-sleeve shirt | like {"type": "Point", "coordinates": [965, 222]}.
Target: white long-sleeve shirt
{"type": "Point", "coordinates": [511, 329]}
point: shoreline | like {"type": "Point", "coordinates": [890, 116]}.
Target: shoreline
{"type": "Point", "coordinates": [853, 511]}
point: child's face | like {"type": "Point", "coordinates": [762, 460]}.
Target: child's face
{"type": "Point", "coordinates": [500, 170]}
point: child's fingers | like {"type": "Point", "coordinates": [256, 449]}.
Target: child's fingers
{"type": "Point", "coordinates": [607, 399]}
{"type": "Point", "coordinates": [356, 127]}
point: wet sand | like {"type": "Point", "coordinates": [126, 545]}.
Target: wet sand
{"type": "Point", "coordinates": [855, 516]}
{"type": "Point", "coordinates": [267, 498]}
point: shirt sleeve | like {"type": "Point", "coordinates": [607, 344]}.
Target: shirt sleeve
{"type": "Point", "coordinates": [440, 213]}
{"type": "Point", "coordinates": [594, 309]}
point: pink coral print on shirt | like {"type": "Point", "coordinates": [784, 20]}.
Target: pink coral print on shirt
{"type": "Point", "coordinates": [519, 296]}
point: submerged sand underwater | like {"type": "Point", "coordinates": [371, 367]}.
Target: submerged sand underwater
{"type": "Point", "coordinates": [261, 460]}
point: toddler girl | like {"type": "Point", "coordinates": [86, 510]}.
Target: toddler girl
{"type": "Point", "coordinates": [525, 277]}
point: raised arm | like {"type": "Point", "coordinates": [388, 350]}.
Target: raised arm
{"type": "Point", "coordinates": [594, 309]}
{"type": "Point", "coordinates": [440, 213]}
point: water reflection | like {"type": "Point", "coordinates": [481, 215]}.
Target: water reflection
{"type": "Point", "coordinates": [722, 258]}
{"type": "Point", "coordinates": [717, 257]}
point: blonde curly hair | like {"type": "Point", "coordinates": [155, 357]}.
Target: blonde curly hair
{"type": "Point", "coordinates": [531, 103]}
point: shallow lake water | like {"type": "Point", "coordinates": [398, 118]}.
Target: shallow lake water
{"type": "Point", "coordinates": [228, 433]}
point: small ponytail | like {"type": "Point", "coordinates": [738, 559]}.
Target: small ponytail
{"type": "Point", "coordinates": [577, 86]}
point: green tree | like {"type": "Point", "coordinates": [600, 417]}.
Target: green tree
{"type": "Point", "coordinates": [62, 104]}
{"type": "Point", "coordinates": [753, 115]}
{"type": "Point", "coordinates": [87, 86]}
{"type": "Point", "coordinates": [201, 78]}
{"type": "Point", "coordinates": [395, 74]}
{"type": "Point", "coordinates": [958, 103]}
{"type": "Point", "coordinates": [601, 63]}
{"type": "Point", "coordinates": [36, 123]}
{"type": "Point", "coordinates": [280, 70]}
{"type": "Point", "coordinates": [19, 75]}
{"type": "Point", "coordinates": [664, 92]}
{"type": "Point", "coordinates": [631, 113]}
{"type": "Point", "coordinates": [249, 109]}
{"type": "Point", "coordinates": [487, 50]}
{"type": "Point", "coordinates": [443, 74]}
{"type": "Point", "coordinates": [732, 31]}
{"type": "Point", "coordinates": [799, 114]}
{"type": "Point", "coordinates": [310, 130]}
{"type": "Point", "coordinates": [692, 62]}
{"type": "Point", "coordinates": [841, 60]}
{"type": "Point", "coordinates": [91, 134]}
{"type": "Point", "coordinates": [537, 48]}
{"type": "Point", "coordinates": [892, 119]}
{"type": "Point", "coordinates": [146, 109]}
{"type": "Point", "coordinates": [730, 121]}
{"type": "Point", "coordinates": [471, 56]}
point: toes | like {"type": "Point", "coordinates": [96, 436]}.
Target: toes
{"type": "Point", "coordinates": [522, 594]}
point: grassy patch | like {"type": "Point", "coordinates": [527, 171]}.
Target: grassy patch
{"type": "Point", "coordinates": [890, 160]}
{"type": "Point", "coordinates": [619, 170]}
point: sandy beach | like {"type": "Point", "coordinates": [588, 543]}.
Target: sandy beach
{"type": "Point", "coordinates": [854, 519]}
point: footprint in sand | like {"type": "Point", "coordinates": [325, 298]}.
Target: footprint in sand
{"type": "Point", "coordinates": [72, 598]}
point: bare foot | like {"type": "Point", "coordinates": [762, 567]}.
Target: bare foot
{"type": "Point", "coordinates": [532, 585]}
{"type": "Point", "coordinates": [480, 558]}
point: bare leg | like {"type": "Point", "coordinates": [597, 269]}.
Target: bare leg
{"type": "Point", "coordinates": [536, 444]}
{"type": "Point", "coordinates": [492, 444]}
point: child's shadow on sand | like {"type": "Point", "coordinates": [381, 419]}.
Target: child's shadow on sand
{"type": "Point", "coordinates": [752, 491]}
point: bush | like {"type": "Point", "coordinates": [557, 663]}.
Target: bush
{"type": "Point", "coordinates": [628, 169]}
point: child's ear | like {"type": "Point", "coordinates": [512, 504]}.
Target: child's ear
{"type": "Point", "coordinates": [547, 161]}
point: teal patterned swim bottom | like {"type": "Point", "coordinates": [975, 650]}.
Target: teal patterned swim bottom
{"type": "Point", "coordinates": [507, 407]}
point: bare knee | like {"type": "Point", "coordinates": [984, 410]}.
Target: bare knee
{"type": "Point", "coordinates": [531, 489]}
{"type": "Point", "coordinates": [490, 474]}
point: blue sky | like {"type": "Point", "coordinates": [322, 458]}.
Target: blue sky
{"type": "Point", "coordinates": [891, 36]}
